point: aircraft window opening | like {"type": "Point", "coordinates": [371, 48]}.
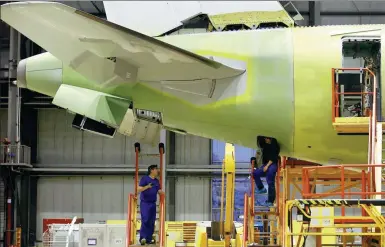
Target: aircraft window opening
{"type": "Point", "coordinates": [355, 87]}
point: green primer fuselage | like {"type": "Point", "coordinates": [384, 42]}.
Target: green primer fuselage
{"type": "Point", "coordinates": [288, 92]}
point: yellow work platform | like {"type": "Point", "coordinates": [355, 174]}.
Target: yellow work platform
{"type": "Point", "coordinates": [352, 125]}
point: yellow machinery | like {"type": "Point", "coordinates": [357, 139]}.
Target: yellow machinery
{"type": "Point", "coordinates": [228, 234]}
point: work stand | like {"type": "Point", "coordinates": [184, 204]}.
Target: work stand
{"type": "Point", "coordinates": [302, 212]}
{"type": "Point", "coordinates": [133, 222]}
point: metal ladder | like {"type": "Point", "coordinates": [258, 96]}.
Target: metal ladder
{"type": "Point", "coordinates": [159, 231]}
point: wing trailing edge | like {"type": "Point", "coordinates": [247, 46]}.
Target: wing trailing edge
{"type": "Point", "coordinates": [104, 52]}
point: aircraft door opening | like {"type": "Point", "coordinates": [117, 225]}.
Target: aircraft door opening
{"type": "Point", "coordinates": [354, 82]}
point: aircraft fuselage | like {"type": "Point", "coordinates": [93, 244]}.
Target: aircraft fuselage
{"type": "Point", "coordinates": [288, 90]}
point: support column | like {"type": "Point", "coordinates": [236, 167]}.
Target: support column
{"type": "Point", "coordinates": [314, 13]}
{"type": "Point", "coordinates": [171, 180]}
{"type": "Point", "coordinates": [13, 92]}
{"type": "Point", "coordinates": [27, 210]}
{"type": "Point", "coordinates": [378, 160]}
{"type": "Point", "coordinates": [13, 132]}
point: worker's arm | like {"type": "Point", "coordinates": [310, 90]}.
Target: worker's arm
{"type": "Point", "coordinates": [267, 165]}
{"type": "Point", "coordinates": [273, 154]}
{"type": "Point", "coordinates": [143, 188]}
{"type": "Point", "coordinates": [143, 184]}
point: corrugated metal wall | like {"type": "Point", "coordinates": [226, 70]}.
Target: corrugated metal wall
{"type": "Point", "coordinates": [92, 198]}
{"type": "Point", "coordinates": [101, 198]}
{"type": "Point", "coordinates": [59, 143]}
{"type": "Point", "coordinates": [192, 150]}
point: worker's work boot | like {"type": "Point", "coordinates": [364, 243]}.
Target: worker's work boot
{"type": "Point", "coordinates": [143, 241]}
{"type": "Point", "coordinates": [261, 191]}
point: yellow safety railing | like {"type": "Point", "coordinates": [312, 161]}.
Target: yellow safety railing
{"type": "Point", "coordinates": [374, 220]}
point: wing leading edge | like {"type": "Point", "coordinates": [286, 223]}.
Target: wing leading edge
{"type": "Point", "coordinates": [106, 53]}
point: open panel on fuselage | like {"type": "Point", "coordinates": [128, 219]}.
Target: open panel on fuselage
{"type": "Point", "coordinates": [354, 83]}
{"type": "Point", "coordinates": [359, 52]}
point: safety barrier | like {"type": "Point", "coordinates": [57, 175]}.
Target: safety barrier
{"type": "Point", "coordinates": [357, 172]}
{"type": "Point", "coordinates": [15, 154]}
{"type": "Point", "coordinates": [374, 220]}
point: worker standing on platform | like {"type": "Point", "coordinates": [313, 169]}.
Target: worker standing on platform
{"type": "Point", "coordinates": [149, 188]}
{"type": "Point", "coordinates": [7, 150]}
{"type": "Point", "coordinates": [270, 154]}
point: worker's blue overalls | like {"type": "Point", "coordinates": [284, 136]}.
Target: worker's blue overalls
{"type": "Point", "coordinates": [270, 179]}
{"type": "Point", "coordinates": [148, 207]}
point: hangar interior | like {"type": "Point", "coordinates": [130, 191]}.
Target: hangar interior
{"type": "Point", "coordinates": [67, 172]}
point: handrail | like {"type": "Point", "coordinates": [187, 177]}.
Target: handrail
{"type": "Point", "coordinates": [245, 220]}
{"type": "Point", "coordinates": [161, 153]}
{"type": "Point", "coordinates": [253, 162]}
{"type": "Point", "coordinates": [366, 193]}
{"type": "Point", "coordinates": [162, 219]}
{"type": "Point", "coordinates": [137, 151]}
{"type": "Point", "coordinates": [131, 229]}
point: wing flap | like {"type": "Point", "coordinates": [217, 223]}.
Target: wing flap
{"type": "Point", "coordinates": [105, 52]}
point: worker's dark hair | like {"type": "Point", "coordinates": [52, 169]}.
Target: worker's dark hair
{"type": "Point", "coordinates": [151, 167]}
{"type": "Point", "coordinates": [261, 143]}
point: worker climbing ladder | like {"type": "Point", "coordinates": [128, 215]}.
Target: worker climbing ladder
{"type": "Point", "coordinates": [133, 223]}
{"type": "Point", "coordinates": [265, 216]}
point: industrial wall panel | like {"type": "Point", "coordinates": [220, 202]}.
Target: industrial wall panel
{"type": "Point", "coordinates": [351, 6]}
{"type": "Point", "coordinates": [349, 20]}
{"type": "Point", "coordinates": [58, 198]}
{"type": "Point", "coordinates": [103, 198]}
{"type": "Point", "coordinates": [59, 143]}
{"type": "Point", "coordinates": [192, 150]}
{"type": "Point", "coordinates": [3, 123]}
{"type": "Point", "coordinates": [192, 198]}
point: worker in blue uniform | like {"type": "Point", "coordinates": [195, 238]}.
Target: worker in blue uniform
{"type": "Point", "coordinates": [149, 188]}
{"type": "Point", "coordinates": [270, 154]}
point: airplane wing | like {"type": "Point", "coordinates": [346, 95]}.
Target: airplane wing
{"type": "Point", "coordinates": [106, 53]}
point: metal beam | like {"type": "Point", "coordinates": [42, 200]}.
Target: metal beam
{"type": "Point", "coordinates": [239, 165]}
{"type": "Point", "coordinates": [343, 13]}
{"type": "Point", "coordinates": [171, 171]}
{"type": "Point", "coordinates": [314, 13]}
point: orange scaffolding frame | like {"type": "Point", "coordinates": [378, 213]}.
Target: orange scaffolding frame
{"type": "Point", "coordinates": [249, 213]}
{"type": "Point", "coordinates": [336, 93]}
